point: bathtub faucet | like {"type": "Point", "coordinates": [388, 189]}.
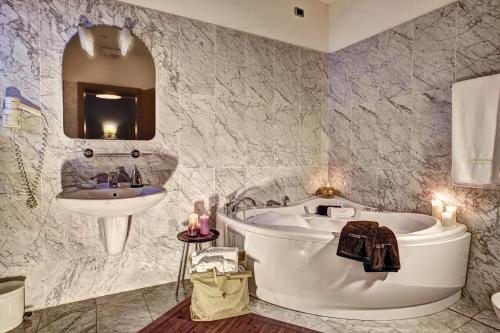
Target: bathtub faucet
{"type": "Point", "coordinates": [232, 206]}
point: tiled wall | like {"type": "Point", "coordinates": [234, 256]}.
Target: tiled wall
{"type": "Point", "coordinates": [389, 103]}
{"type": "Point", "coordinates": [236, 113]}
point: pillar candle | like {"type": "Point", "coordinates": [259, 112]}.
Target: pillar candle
{"type": "Point", "coordinates": [193, 226]}
{"type": "Point", "coordinates": [437, 208]}
{"type": "Point", "coordinates": [453, 211]}
{"type": "Point", "coordinates": [447, 220]}
{"type": "Point", "coordinates": [204, 225]}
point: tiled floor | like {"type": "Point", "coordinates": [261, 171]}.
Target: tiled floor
{"type": "Point", "coordinates": [132, 310]}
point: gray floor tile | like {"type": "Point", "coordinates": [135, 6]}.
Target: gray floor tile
{"type": "Point", "coordinates": [358, 326]}
{"type": "Point", "coordinates": [489, 318]}
{"type": "Point", "coordinates": [162, 298]}
{"type": "Point", "coordinates": [466, 307]}
{"type": "Point", "coordinates": [294, 317]}
{"type": "Point", "coordinates": [123, 312]}
{"type": "Point", "coordinates": [29, 325]}
{"type": "Point", "coordinates": [73, 317]}
{"type": "Point", "coordinates": [444, 322]}
{"type": "Point", "coordinates": [475, 327]}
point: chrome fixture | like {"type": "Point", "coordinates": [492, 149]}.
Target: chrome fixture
{"type": "Point", "coordinates": [271, 203]}
{"type": "Point", "coordinates": [113, 179]}
{"type": "Point", "coordinates": [231, 207]}
{"type": "Point", "coordinates": [136, 178]}
{"type": "Point", "coordinates": [286, 200]}
{"type": "Point", "coordinates": [134, 153]}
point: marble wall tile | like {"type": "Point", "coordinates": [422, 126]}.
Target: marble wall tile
{"type": "Point", "coordinates": [21, 243]}
{"type": "Point", "coordinates": [310, 137]}
{"type": "Point", "coordinates": [478, 39]}
{"type": "Point", "coordinates": [426, 185]}
{"type": "Point", "coordinates": [260, 71]}
{"type": "Point", "coordinates": [227, 122]}
{"type": "Point", "coordinates": [230, 129]}
{"type": "Point", "coordinates": [197, 61]}
{"type": "Point", "coordinates": [19, 37]}
{"type": "Point", "coordinates": [310, 179]}
{"type": "Point", "coordinates": [286, 183]}
{"type": "Point", "coordinates": [259, 184]}
{"type": "Point", "coordinates": [231, 68]}
{"type": "Point", "coordinates": [396, 51]}
{"type": "Point", "coordinates": [229, 184]}
{"type": "Point", "coordinates": [395, 119]}
{"type": "Point", "coordinates": [339, 177]}
{"type": "Point", "coordinates": [364, 186]}
{"type": "Point", "coordinates": [311, 84]}
{"type": "Point", "coordinates": [260, 135]}
{"type": "Point", "coordinates": [364, 135]}
{"type": "Point", "coordinates": [394, 191]}
{"type": "Point", "coordinates": [118, 273]}
{"type": "Point", "coordinates": [412, 122]}
{"type": "Point", "coordinates": [431, 130]}
{"type": "Point", "coordinates": [197, 131]}
{"type": "Point", "coordinates": [434, 50]}
{"type": "Point", "coordinates": [60, 19]}
{"type": "Point", "coordinates": [286, 136]}
{"type": "Point", "coordinates": [196, 192]}
{"type": "Point", "coordinates": [363, 66]}
{"type": "Point", "coordinates": [286, 74]}
{"type": "Point", "coordinates": [70, 280]}
{"type": "Point", "coordinates": [161, 31]}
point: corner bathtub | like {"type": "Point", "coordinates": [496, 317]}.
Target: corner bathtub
{"type": "Point", "coordinates": [297, 267]}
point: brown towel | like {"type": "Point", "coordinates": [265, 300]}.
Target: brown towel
{"type": "Point", "coordinates": [385, 256]}
{"type": "Point", "coordinates": [357, 240]}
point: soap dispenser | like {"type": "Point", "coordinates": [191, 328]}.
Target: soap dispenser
{"type": "Point", "coordinates": [136, 179]}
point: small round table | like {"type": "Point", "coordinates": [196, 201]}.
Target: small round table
{"type": "Point", "coordinates": [197, 241]}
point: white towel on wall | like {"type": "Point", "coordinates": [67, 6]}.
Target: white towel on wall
{"type": "Point", "coordinates": [476, 131]}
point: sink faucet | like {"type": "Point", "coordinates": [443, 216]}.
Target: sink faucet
{"type": "Point", "coordinates": [113, 179]}
{"type": "Point", "coordinates": [136, 179]}
{"type": "Point", "coordinates": [232, 206]}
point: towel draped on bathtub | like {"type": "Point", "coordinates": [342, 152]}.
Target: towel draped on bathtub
{"type": "Point", "coordinates": [376, 247]}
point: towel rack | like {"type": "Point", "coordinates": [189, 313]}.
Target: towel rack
{"type": "Point", "coordinates": [135, 153]}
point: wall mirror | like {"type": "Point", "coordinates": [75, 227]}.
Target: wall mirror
{"type": "Point", "coordinates": [108, 86]}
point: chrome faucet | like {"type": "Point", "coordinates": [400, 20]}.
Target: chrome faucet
{"type": "Point", "coordinates": [232, 206]}
{"type": "Point", "coordinates": [113, 179]}
{"type": "Point", "coordinates": [136, 179]}
{"type": "Point", "coordinates": [286, 200]}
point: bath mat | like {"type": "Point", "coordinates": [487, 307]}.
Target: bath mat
{"type": "Point", "coordinates": [179, 320]}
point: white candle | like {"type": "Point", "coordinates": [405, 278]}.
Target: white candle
{"type": "Point", "coordinates": [447, 220]}
{"type": "Point", "coordinates": [193, 220]}
{"type": "Point", "coordinates": [437, 208]}
{"type": "Point", "coordinates": [453, 210]}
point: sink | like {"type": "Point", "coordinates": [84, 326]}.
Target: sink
{"type": "Point", "coordinates": [113, 206]}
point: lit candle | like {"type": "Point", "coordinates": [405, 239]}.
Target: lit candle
{"type": "Point", "coordinates": [447, 220]}
{"type": "Point", "coordinates": [193, 226]}
{"type": "Point", "coordinates": [204, 225]}
{"type": "Point", "coordinates": [453, 210]}
{"type": "Point", "coordinates": [437, 208]}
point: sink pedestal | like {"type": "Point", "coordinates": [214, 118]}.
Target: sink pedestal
{"type": "Point", "coordinates": [116, 233]}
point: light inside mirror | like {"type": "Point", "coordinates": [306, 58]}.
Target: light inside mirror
{"type": "Point", "coordinates": [108, 85]}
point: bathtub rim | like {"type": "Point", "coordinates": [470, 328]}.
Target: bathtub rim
{"type": "Point", "coordinates": [433, 234]}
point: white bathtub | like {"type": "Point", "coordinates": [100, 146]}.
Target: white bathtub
{"type": "Point", "coordinates": [297, 267]}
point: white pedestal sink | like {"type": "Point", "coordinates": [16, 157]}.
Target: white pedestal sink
{"type": "Point", "coordinates": [113, 206]}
